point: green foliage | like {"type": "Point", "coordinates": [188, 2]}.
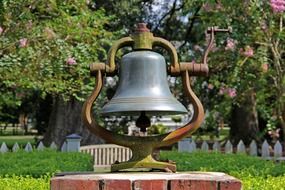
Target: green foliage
{"type": "Point", "coordinates": [21, 140]}
{"type": "Point", "coordinates": [24, 183]}
{"type": "Point", "coordinates": [46, 48]}
{"type": "Point", "coordinates": [33, 170]}
{"type": "Point", "coordinates": [67, 29]}
{"type": "Point", "coordinates": [254, 172]}
{"type": "Point", "coordinates": [227, 162]}
{"type": "Point", "coordinates": [157, 129]}
{"type": "Point", "coordinates": [58, 30]}
{"type": "Point", "coordinates": [268, 183]}
{"type": "Point", "coordinates": [39, 163]}
{"type": "Point", "coordinates": [176, 118]}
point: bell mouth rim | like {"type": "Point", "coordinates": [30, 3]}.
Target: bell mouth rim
{"type": "Point", "coordinates": [147, 112]}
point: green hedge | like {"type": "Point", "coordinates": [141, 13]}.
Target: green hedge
{"type": "Point", "coordinates": [24, 183]}
{"type": "Point", "coordinates": [21, 140]}
{"type": "Point", "coordinates": [255, 173]}
{"type": "Point", "coordinates": [28, 171]}
{"type": "Point", "coordinates": [39, 163]}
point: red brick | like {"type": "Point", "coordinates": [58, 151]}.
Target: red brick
{"type": "Point", "coordinates": [150, 184]}
{"type": "Point", "coordinates": [180, 184]}
{"type": "Point", "coordinates": [72, 184]}
{"type": "Point", "coordinates": [230, 185]}
{"type": "Point", "coordinates": [54, 184]}
{"type": "Point", "coordinates": [192, 185]}
{"type": "Point", "coordinates": [119, 184]}
{"type": "Point", "coordinates": [203, 185]}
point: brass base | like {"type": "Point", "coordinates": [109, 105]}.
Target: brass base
{"type": "Point", "coordinates": [148, 162]}
{"type": "Point", "coordinates": [142, 158]}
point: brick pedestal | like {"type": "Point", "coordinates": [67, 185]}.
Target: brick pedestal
{"type": "Point", "coordinates": [147, 181]}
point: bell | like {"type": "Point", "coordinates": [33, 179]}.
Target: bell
{"type": "Point", "coordinates": [143, 87]}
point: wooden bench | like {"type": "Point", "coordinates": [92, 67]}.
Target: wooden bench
{"type": "Point", "coordinates": [106, 154]}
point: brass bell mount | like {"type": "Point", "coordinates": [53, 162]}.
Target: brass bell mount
{"type": "Point", "coordinates": [144, 39]}
{"type": "Point", "coordinates": [159, 100]}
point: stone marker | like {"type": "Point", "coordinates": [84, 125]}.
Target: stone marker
{"type": "Point", "coordinates": [73, 143]}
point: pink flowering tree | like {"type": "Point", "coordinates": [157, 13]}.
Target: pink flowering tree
{"type": "Point", "coordinates": [246, 84]}
{"type": "Point", "coordinates": [273, 41]}
{"type": "Point", "coordinates": [278, 6]}
{"type": "Point", "coordinates": [45, 50]}
{"type": "Point", "coordinates": [248, 66]}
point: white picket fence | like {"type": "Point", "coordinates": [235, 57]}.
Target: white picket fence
{"type": "Point", "coordinates": [266, 151]}
{"type": "Point", "coordinates": [28, 147]}
{"type": "Point", "coordinates": [106, 154]}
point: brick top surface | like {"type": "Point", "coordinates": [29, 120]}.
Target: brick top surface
{"type": "Point", "coordinates": [210, 176]}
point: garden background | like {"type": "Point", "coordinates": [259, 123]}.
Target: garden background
{"type": "Point", "coordinates": [47, 46]}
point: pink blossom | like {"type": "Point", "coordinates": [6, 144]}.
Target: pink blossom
{"type": "Point", "coordinates": [231, 92]}
{"type": "Point", "coordinates": [222, 91]}
{"type": "Point", "coordinates": [278, 6]}
{"type": "Point", "coordinates": [1, 30]}
{"type": "Point", "coordinates": [211, 7]}
{"type": "Point", "coordinates": [210, 86]}
{"type": "Point", "coordinates": [71, 61]}
{"type": "Point", "coordinates": [248, 51]}
{"type": "Point", "coordinates": [265, 67]}
{"type": "Point", "coordinates": [274, 133]}
{"type": "Point", "coordinates": [207, 7]}
{"type": "Point", "coordinates": [23, 42]}
{"type": "Point", "coordinates": [231, 44]}
{"type": "Point", "coordinates": [198, 48]}
{"type": "Point", "coordinates": [219, 6]}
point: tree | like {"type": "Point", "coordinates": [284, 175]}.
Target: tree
{"type": "Point", "coordinates": [50, 43]}
{"type": "Point", "coordinates": [257, 72]}
{"type": "Point", "coordinates": [46, 47]}
{"type": "Point", "coordinates": [244, 66]}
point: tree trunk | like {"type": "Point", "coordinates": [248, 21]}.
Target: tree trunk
{"type": "Point", "coordinates": [65, 119]}
{"type": "Point", "coordinates": [244, 121]}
